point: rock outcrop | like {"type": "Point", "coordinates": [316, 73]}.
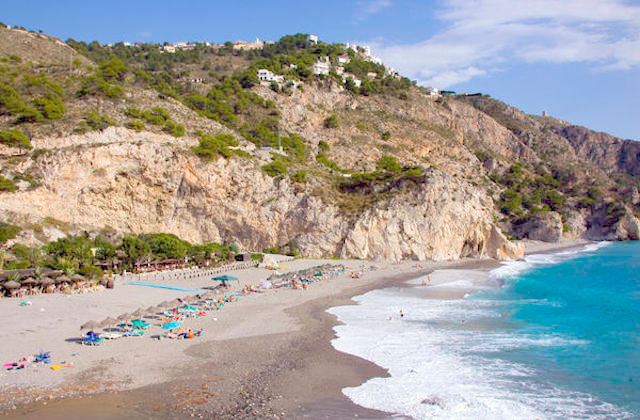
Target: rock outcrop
{"type": "Point", "coordinates": [544, 226]}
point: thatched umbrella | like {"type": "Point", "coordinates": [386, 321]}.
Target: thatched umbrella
{"type": "Point", "coordinates": [138, 314]}
{"type": "Point", "coordinates": [76, 278]}
{"type": "Point", "coordinates": [62, 279]}
{"type": "Point", "coordinates": [166, 304]}
{"type": "Point", "coordinates": [124, 318]}
{"type": "Point", "coordinates": [151, 310]}
{"type": "Point", "coordinates": [108, 322]}
{"type": "Point", "coordinates": [89, 325]}
{"type": "Point", "coordinates": [30, 281]}
{"type": "Point", "coordinates": [45, 281]}
{"type": "Point", "coordinates": [10, 285]}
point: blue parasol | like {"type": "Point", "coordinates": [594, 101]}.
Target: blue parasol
{"type": "Point", "coordinates": [171, 325]}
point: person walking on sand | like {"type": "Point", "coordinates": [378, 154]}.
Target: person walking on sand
{"type": "Point", "coordinates": [401, 314]}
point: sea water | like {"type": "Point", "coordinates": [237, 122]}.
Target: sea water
{"type": "Point", "coordinates": [560, 338]}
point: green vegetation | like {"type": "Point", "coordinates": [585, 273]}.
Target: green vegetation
{"type": "Point", "coordinates": [135, 125]}
{"type": "Point", "coordinates": [80, 254]}
{"type": "Point", "coordinates": [106, 80]}
{"type": "Point", "coordinates": [299, 177]}
{"type": "Point", "coordinates": [212, 147]}
{"type": "Point", "coordinates": [95, 121]}
{"type": "Point", "coordinates": [386, 135]}
{"type": "Point", "coordinates": [8, 231]}
{"type": "Point", "coordinates": [28, 96]}
{"type": "Point", "coordinates": [15, 138]}
{"type": "Point", "coordinates": [331, 121]}
{"type": "Point", "coordinates": [155, 116]}
{"type": "Point", "coordinates": [388, 163]}
{"type": "Point", "coordinates": [277, 167]}
{"type": "Point", "coordinates": [7, 185]}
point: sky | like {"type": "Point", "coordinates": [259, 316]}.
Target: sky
{"type": "Point", "coordinates": [578, 60]}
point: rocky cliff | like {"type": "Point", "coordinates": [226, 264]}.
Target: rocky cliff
{"type": "Point", "coordinates": [137, 182]}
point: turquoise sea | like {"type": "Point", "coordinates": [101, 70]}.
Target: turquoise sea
{"type": "Point", "coordinates": [559, 337]}
{"type": "Point", "coordinates": [593, 299]}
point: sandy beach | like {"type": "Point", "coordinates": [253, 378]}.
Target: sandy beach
{"type": "Point", "coordinates": [266, 355]}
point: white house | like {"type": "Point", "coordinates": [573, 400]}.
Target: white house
{"type": "Point", "coordinates": [322, 66]}
{"type": "Point", "coordinates": [266, 75]}
{"type": "Point", "coordinates": [313, 39]}
{"type": "Point", "coordinates": [245, 46]}
{"type": "Point", "coordinates": [340, 70]}
{"type": "Point", "coordinates": [372, 75]}
{"type": "Point", "coordinates": [431, 91]}
{"type": "Point", "coordinates": [343, 59]}
{"type": "Point", "coordinates": [169, 48]}
{"type": "Point", "coordinates": [357, 82]}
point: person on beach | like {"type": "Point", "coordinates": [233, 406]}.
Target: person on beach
{"type": "Point", "coordinates": [401, 314]}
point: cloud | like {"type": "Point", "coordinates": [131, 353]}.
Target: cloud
{"type": "Point", "coordinates": [483, 36]}
{"type": "Point", "coordinates": [366, 8]}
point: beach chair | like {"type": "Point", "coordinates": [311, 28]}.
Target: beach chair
{"type": "Point", "coordinates": [92, 339]}
{"type": "Point", "coordinates": [135, 332]}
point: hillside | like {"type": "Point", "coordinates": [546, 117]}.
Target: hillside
{"type": "Point", "coordinates": [363, 164]}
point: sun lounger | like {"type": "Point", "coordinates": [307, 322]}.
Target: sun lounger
{"type": "Point", "coordinates": [111, 335]}
{"type": "Point", "coordinates": [135, 332]}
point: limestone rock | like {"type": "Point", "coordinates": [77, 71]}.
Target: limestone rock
{"type": "Point", "coordinates": [543, 226]}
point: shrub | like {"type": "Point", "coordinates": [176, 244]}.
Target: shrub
{"type": "Point", "coordinates": [211, 147]}
{"type": "Point", "coordinates": [175, 129]}
{"type": "Point", "coordinates": [332, 121]}
{"type": "Point", "coordinates": [8, 231]}
{"type": "Point", "coordinates": [96, 84]}
{"type": "Point", "coordinates": [7, 185]}
{"type": "Point", "coordinates": [323, 146]}
{"type": "Point", "coordinates": [14, 138]}
{"type": "Point", "coordinates": [135, 125]}
{"type": "Point", "coordinates": [299, 177]}
{"type": "Point", "coordinates": [97, 121]}
{"type": "Point", "coordinates": [385, 135]}
{"type": "Point", "coordinates": [51, 107]}
{"type": "Point", "coordinates": [388, 163]}
{"type": "Point", "coordinates": [278, 167]}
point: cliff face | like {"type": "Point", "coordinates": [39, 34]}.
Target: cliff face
{"type": "Point", "coordinates": [129, 182]}
{"type": "Point", "coordinates": [604, 150]}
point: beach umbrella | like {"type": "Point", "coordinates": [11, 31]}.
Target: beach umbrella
{"type": "Point", "coordinates": [108, 322]}
{"type": "Point", "coordinates": [89, 325]}
{"type": "Point", "coordinates": [151, 310]}
{"type": "Point", "coordinates": [77, 278]}
{"type": "Point", "coordinates": [139, 323]}
{"type": "Point", "coordinates": [10, 285]}
{"type": "Point", "coordinates": [45, 281]}
{"type": "Point", "coordinates": [166, 304]}
{"type": "Point", "coordinates": [318, 274]}
{"type": "Point", "coordinates": [30, 281]}
{"type": "Point", "coordinates": [190, 308]}
{"type": "Point", "coordinates": [138, 314]}
{"type": "Point", "coordinates": [225, 278]}
{"type": "Point", "coordinates": [124, 318]}
{"type": "Point", "coordinates": [171, 325]}
{"type": "Point", "coordinates": [63, 279]}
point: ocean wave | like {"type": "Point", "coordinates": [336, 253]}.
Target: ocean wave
{"type": "Point", "coordinates": [437, 372]}
{"type": "Point", "coordinates": [513, 269]}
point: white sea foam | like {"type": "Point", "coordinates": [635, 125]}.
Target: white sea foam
{"type": "Point", "coordinates": [438, 369]}
{"type": "Point", "coordinates": [513, 269]}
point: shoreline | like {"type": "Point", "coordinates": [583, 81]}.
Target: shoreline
{"type": "Point", "coordinates": [248, 376]}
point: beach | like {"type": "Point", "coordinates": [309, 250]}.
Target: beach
{"type": "Point", "coordinates": [266, 355]}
